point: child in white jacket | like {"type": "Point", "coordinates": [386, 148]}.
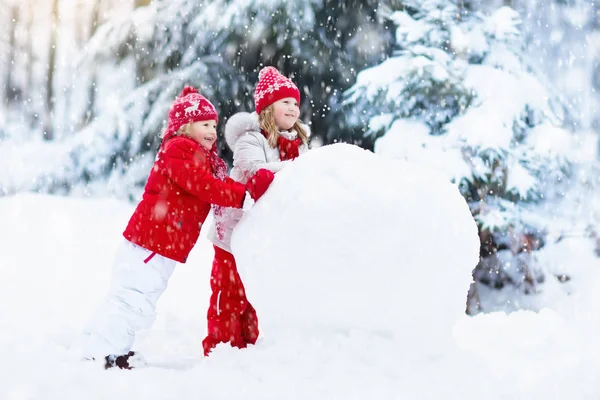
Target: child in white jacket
{"type": "Point", "coordinates": [268, 139]}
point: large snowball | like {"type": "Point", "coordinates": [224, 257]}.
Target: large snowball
{"type": "Point", "coordinates": [347, 239]}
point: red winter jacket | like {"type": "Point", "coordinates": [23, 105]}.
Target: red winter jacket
{"type": "Point", "coordinates": [177, 198]}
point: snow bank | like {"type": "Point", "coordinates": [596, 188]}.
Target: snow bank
{"type": "Point", "coordinates": [540, 355]}
{"type": "Point", "coordinates": [348, 238]}
{"type": "Point", "coordinates": [24, 165]}
{"type": "Point", "coordinates": [55, 266]}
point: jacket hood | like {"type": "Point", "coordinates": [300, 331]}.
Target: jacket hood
{"type": "Point", "coordinates": [244, 122]}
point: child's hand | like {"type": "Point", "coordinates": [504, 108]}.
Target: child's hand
{"type": "Point", "coordinates": [259, 183]}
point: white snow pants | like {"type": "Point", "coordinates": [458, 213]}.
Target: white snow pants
{"type": "Point", "coordinates": [138, 281]}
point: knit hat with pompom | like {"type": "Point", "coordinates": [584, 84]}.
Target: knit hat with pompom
{"type": "Point", "coordinates": [189, 107]}
{"type": "Point", "coordinates": [271, 87]}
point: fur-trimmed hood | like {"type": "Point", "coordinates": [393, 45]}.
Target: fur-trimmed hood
{"type": "Point", "coordinates": [244, 122]}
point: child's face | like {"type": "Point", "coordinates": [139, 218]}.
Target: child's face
{"type": "Point", "coordinates": [205, 133]}
{"type": "Point", "coordinates": [286, 113]}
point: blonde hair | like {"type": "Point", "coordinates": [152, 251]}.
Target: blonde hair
{"type": "Point", "coordinates": [184, 129]}
{"type": "Point", "coordinates": [266, 120]}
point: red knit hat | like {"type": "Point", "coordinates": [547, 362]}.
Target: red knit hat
{"type": "Point", "coordinates": [271, 87]}
{"type": "Point", "coordinates": [190, 106]}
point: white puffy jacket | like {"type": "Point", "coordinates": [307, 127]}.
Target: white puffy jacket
{"type": "Point", "coordinates": [251, 152]}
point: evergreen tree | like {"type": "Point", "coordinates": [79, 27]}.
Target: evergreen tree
{"type": "Point", "coordinates": [456, 95]}
{"type": "Point", "coordinates": [555, 30]}
{"type": "Point", "coordinates": [219, 46]}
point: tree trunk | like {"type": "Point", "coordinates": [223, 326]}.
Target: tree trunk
{"type": "Point", "coordinates": [11, 93]}
{"type": "Point", "coordinates": [90, 114]}
{"type": "Point", "coordinates": [49, 117]}
{"type": "Point", "coordinates": [143, 73]}
{"type": "Point", "coordinates": [30, 89]}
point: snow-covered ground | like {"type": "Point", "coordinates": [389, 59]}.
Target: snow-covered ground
{"type": "Point", "coordinates": [55, 263]}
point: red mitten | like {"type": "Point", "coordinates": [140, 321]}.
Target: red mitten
{"type": "Point", "coordinates": [259, 183]}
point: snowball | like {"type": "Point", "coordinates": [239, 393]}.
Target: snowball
{"type": "Point", "coordinates": [351, 239]}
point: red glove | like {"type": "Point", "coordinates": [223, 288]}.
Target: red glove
{"type": "Point", "coordinates": [259, 183]}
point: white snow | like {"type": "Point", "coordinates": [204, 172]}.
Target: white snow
{"type": "Point", "coordinates": [410, 140]}
{"type": "Point", "coordinates": [360, 297]}
{"type": "Point", "coordinates": [504, 23]}
{"type": "Point", "coordinates": [483, 131]}
{"type": "Point", "coordinates": [353, 232]}
{"type": "Point", "coordinates": [505, 94]}
{"type": "Point", "coordinates": [519, 179]}
{"type": "Point", "coordinates": [547, 139]}
{"type": "Point", "coordinates": [25, 163]}
{"type": "Point", "coordinates": [385, 75]}
{"type": "Point", "coordinates": [408, 28]}
{"type": "Point", "coordinates": [56, 260]}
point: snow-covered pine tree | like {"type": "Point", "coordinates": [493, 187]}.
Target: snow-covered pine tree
{"type": "Point", "coordinates": [218, 46]}
{"type": "Point", "coordinates": [555, 30]}
{"type": "Point", "coordinates": [457, 96]}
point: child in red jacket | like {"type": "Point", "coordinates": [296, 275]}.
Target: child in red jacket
{"type": "Point", "coordinates": [187, 179]}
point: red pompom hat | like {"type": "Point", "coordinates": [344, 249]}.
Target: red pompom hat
{"type": "Point", "coordinates": [190, 106]}
{"type": "Point", "coordinates": [271, 87]}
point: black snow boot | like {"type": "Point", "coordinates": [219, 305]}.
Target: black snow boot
{"type": "Point", "coordinates": [121, 362]}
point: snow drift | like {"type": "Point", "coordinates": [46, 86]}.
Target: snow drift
{"type": "Point", "coordinates": [55, 266]}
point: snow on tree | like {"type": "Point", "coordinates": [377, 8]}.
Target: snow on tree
{"type": "Point", "coordinates": [217, 46]}
{"type": "Point", "coordinates": [43, 89]}
{"type": "Point", "coordinates": [565, 31]}
{"type": "Point", "coordinates": [456, 95]}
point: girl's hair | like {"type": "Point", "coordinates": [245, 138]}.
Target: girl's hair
{"type": "Point", "coordinates": [266, 120]}
{"type": "Point", "coordinates": [184, 129]}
